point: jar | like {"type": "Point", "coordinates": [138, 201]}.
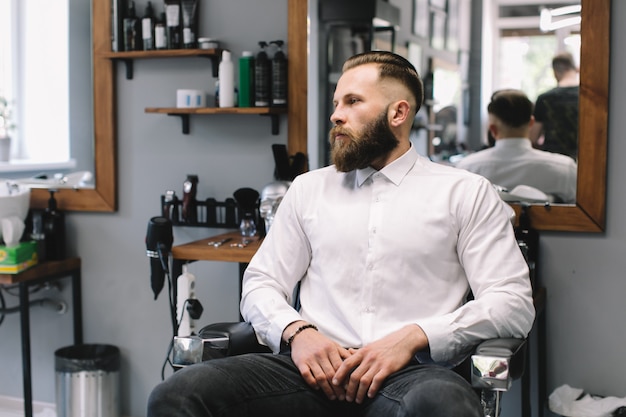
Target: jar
{"type": "Point", "coordinates": [208, 43]}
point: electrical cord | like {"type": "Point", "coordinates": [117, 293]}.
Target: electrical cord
{"type": "Point", "coordinates": [171, 344]}
{"type": "Point", "coordinates": [2, 306]}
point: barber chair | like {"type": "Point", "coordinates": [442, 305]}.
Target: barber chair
{"type": "Point", "coordinates": [491, 368]}
{"type": "Point", "coordinates": [494, 365]}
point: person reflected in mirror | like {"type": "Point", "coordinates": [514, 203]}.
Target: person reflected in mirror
{"type": "Point", "coordinates": [385, 246]}
{"type": "Point", "coordinates": [556, 111]}
{"type": "Point", "coordinates": [512, 161]}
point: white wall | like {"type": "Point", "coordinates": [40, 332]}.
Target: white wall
{"type": "Point", "coordinates": [583, 273]}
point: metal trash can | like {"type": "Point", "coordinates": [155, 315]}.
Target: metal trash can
{"type": "Point", "coordinates": [87, 381]}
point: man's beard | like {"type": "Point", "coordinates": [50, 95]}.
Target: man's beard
{"type": "Point", "coordinates": [358, 152]}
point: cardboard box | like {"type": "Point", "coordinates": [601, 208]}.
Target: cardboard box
{"type": "Point", "coordinates": [16, 259]}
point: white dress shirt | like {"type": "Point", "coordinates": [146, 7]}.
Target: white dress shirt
{"type": "Point", "coordinates": [377, 250]}
{"type": "Point", "coordinates": [513, 161]}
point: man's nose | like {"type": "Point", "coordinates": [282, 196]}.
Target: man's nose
{"type": "Point", "coordinates": [337, 117]}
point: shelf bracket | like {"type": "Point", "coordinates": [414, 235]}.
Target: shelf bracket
{"type": "Point", "coordinates": [275, 120]}
{"type": "Point", "coordinates": [185, 120]}
{"type": "Point", "coordinates": [129, 68]}
{"type": "Point", "coordinates": [215, 62]}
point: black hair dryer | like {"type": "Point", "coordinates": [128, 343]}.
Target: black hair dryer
{"type": "Point", "coordinates": [159, 239]}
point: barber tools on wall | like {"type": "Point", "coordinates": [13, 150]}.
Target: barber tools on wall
{"type": "Point", "coordinates": [159, 239]}
{"type": "Point", "coordinates": [287, 168]}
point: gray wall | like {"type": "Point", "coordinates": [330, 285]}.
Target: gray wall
{"type": "Point", "coordinates": [583, 273]}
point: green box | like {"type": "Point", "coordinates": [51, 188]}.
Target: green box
{"type": "Point", "coordinates": [18, 258]}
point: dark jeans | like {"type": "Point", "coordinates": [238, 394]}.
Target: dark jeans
{"type": "Point", "coordinates": [265, 385]}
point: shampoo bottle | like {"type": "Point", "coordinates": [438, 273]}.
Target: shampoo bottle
{"type": "Point", "coordinates": [262, 77]}
{"type": "Point", "coordinates": [147, 28]}
{"type": "Point", "coordinates": [172, 23]}
{"type": "Point", "coordinates": [226, 81]}
{"type": "Point", "coordinates": [246, 80]}
{"type": "Point", "coordinates": [53, 222]}
{"type": "Point", "coordinates": [279, 76]}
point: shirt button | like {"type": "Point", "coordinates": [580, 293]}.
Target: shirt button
{"type": "Point", "coordinates": [370, 267]}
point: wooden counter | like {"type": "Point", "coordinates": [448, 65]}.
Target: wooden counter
{"type": "Point", "coordinates": [201, 250]}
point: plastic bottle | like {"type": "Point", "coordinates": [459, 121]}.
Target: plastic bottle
{"type": "Point", "coordinates": [160, 34]}
{"type": "Point", "coordinates": [227, 81]}
{"type": "Point", "coordinates": [262, 77]}
{"type": "Point", "coordinates": [279, 76]}
{"type": "Point", "coordinates": [147, 28]}
{"type": "Point", "coordinates": [246, 79]}
{"type": "Point", "coordinates": [53, 222]}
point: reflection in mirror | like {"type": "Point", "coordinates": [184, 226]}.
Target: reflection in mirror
{"type": "Point", "coordinates": [588, 213]}
{"type": "Point", "coordinates": [528, 38]}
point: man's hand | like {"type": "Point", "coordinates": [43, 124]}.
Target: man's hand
{"type": "Point", "coordinates": [363, 373]}
{"type": "Point", "coordinates": [317, 358]}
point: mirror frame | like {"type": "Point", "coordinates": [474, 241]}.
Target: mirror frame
{"type": "Point", "coordinates": [102, 198]}
{"type": "Point", "coordinates": [588, 214]}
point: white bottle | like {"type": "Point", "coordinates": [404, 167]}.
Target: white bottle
{"type": "Point", "coordinates": [227, 81]}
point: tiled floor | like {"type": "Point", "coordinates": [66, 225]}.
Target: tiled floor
{"type": "Point", "coordinates": [14, 407]}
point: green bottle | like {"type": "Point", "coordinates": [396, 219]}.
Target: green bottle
{"type": "Point", "coordinates": [246, 79]}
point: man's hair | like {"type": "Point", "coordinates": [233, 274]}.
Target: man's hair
{"type": "Point", "coordinates": [512, 107]}
{"type": "Point", "coordinates": [563, 62]}
{"type": "Point", "coordinates": [391, 66]}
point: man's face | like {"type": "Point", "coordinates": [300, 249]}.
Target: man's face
{"type": "Point", "coordinates": [361, 134]}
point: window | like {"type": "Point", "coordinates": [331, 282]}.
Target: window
{"type": "Point", "coordinates": [34, 55]}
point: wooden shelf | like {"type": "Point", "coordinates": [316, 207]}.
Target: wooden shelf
{"type": "Point", "coordinates": [200, 250]}
{"type": "Point", "coordinates": [127, 57]}
{"type": "Point", "coordinates": [184, 113]}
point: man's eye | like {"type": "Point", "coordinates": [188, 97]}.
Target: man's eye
{"type": "Point", "coordinates": [353, 100]}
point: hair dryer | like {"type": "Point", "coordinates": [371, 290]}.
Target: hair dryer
{"type": "Point", "coordinates": [159, 239]}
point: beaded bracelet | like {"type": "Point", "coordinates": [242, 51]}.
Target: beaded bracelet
{"type": "Point", "coordinates": [298, 330]}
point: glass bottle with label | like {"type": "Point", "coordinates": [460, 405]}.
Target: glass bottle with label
{"type": "Point", "coordinates": [160, 34]}
{"type": "Point", "coordinates": [147, 28]}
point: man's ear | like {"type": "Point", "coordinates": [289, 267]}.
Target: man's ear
{"type": "Point", "coordinates": [493, 129]}
{"type": "Point", "coordinates": [399, 113]}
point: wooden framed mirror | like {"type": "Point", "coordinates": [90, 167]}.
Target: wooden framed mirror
{"type": "Point", "coordinates": [588, 214]}
{"type": "Point", "coordinates": [103, 197]}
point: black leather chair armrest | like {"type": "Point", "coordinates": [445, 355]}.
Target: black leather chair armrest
{"type": "Point", "coordinates": [241, 337]}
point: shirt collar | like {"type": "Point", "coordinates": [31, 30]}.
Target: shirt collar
{"type": "Point", "coordinates": [514, 143]}
{"type": "Point", "coordinates": [394, 171]}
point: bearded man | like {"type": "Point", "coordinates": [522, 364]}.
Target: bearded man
{"type": "Point", "coordinates": [385, 246]}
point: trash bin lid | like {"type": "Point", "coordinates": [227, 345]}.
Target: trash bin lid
{"type": "Point", "coordinates": [87, 357]}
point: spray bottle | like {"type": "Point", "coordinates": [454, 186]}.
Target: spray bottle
{"type": "Point", "coordinates": [262, 77]}
{"type": "Point", "coordinates": [279, 76]}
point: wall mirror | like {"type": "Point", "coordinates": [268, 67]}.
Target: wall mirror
{"type": "Point", "coordinates": [588, 213]}
{"type": "Point", "coordinates": [103, 196]}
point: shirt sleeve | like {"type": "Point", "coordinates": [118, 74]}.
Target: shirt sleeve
{"type": "Point", "coordinates": [498, 276]}
{"type": "Point", "coordinates": [270, 280]}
